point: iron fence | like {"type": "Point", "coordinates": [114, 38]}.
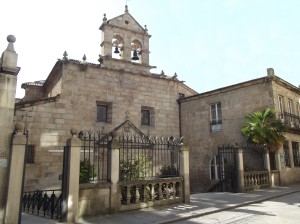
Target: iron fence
{"type": "Point", "coordinates": [144, 157]}
{"type": "Point", "coordinates": [94, 157]}
{"type": "Point", "coordinates": [46, 203]}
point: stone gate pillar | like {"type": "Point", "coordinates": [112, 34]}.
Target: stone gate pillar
{"type": "Point", "coordinates": [113, 173]}
{"type": "Point", "coordinates": [16, 176]}
{"type": "Point", "coordinates": [74, 145]}
{"type": "Point", "coordinates": [185, 171]}
{"type": "Point", "coordinates": [240, 170]}
{"type": "Point", "coordinates": [8, 82]}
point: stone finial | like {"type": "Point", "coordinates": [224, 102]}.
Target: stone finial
{"type": "Point", "coordinates": [162, 72]}
{"type": "Point", "coordinates": [9, 56]}
{"type": "Point", "coordinates": [83, 64]}
{"type": "Point", "coordinates": [146, 29]}
{"type": "Point", "coordinates": [104, 18]}
{"type": "Point", "coordinates": [74, 132]}
{"type": "Point", "coordinates": [100, 60]}
{"type": "Point", "coordinates": [11, 39]}
{"type": "Point", "coordinates": [126, 8]}
{"type": "Point", "coordinates": [19, 127]}
{"type": "Point", "coordinates": [270, 72]}
{"type": "Point", "coordinates": [65, 58]}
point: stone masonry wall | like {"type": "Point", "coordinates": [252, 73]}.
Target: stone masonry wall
{"type": "Point", "coordinates": [236, 101]}
{"type": "Point", "coordinates": [49, 122]}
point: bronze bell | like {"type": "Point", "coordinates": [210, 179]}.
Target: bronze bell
{"type": "Point", "coordinates": [135, 56]}
{"type": "Point", "coordinates": [116, 50]}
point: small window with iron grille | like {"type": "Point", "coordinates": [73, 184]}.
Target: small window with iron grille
{"type": "Point", "coordinates": [286, 154]}
{"type": "Point", "coordinates": [296, 154]}
{"type": "Point", "coordinates": [104, 112]}
{"type": "Point", "coordinates": [29, 154]}
{"type": "Point", "coordinates": [147, 116]}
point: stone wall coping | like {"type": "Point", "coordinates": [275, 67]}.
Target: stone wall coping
{"type": "Point", "coordinates": [22, 104]}
{"type": "Point", "coordinates": [252, 82]}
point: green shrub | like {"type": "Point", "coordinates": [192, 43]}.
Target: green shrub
{"type": "Point", "coordinates": [168, 171]}
{"type": "Point", "coordinates": [87, 171]}
{"type": "Point", "coordinates": [137, 168]}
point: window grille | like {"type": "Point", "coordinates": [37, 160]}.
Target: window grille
{"type": "Point", "coordinates": [295, 147]}
{"type": "Point", "coordinates": [286, 154]}
{"type": "Point", "coordinates": [29, 154]}
{"type": "Point", "coordinates": [145, 117]}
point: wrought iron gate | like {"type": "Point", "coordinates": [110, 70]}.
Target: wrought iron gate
{"type": "Point", "coordinates": [227, 169]}
{"type": "Point", "coordinates": [49, 203]}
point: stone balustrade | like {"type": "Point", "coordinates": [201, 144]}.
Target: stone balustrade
{"type": "Point", "coordinates": [146, 193]}
{"type": "Point", "coordinates": [256, 179]}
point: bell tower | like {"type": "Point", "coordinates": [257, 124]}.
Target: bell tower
{"type": "Point", "coordinates": [124, 40]}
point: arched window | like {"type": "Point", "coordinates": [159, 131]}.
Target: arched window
{"type": "Point", "coordinates": [213, 168]}
{"type": "Point", "coordinates": [136, 51]}
{"type": "Point", "coordinates": [117, 47]}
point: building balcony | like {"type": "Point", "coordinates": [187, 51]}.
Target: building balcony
{"type": "Point", "coordinates": [291, 121]}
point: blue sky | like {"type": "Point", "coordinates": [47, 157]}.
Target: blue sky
{"type": "Point", "coordinates": [208, 43]}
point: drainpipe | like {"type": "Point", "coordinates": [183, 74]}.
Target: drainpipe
{"type": "Point", "coordinates": [179, 104]}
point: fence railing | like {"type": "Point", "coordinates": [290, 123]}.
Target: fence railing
{"type": "Point", "coordinates": [148, 157]}
{"type": "Point", "coordinates": [46, 203]}
{"type": "Point", "coordinates": [291, 120]}
{"type": "Point", "coordinates": [93, 157]}
{"type": "Point", "coordinates": [141, 157]}
{"type": "Point", "coordinates": [142, 193]}
{"type": "Point", "coordinates": [256, 179]}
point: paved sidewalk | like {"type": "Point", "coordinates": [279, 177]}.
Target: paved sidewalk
{"type": "Point", "coordinates": [201, 204]}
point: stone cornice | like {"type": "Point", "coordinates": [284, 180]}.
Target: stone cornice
{"type": "Point", "coordinates": [10, 72]}
{"type": "Point", "coordinates": [22, 104]}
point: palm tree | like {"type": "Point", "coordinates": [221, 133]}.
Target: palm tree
{"type": "Point", "coordinates": [264, 128]}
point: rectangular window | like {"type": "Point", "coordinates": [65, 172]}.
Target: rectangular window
{"type": "Point", "coordinates": [104, 112]}
{"type": "Point", "coordinates": [145, 117]}
{"type": "Point", "coordinates": [216, 117]}
{"type": "Point", "coordinates": [280, 107]}
{"type": "Point", "coordinates": [297, 119]}
{"type": "Point", "coordinates": [295, 147]}
{"type": "Point", "coordinates": [290, 110]}
{"type": "Point", "coordinates": [29, 154]}
{"type": "Point", "coordinates": [286, 151]}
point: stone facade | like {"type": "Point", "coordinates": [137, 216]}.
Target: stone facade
{"type": "Point", "coordinates": [236, 101]}
{"type": "Point", "coordinates": [70, 95]}
{"type": "Point", "coordinates": [8, 81]}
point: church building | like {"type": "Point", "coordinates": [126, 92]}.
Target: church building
{"type": "Point", "coordinates": [97, 97]}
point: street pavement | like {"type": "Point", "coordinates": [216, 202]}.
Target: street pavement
{"type": "Point", "coordinates": [284, 209]}
{"type": "Point", "coordinates": [201, 204]}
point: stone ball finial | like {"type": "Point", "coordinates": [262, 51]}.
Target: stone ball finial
{"type": "Point", "coordinates": [19, 127]}
{"type": "Point", "coordinates": [74, 131]}
{"type": "Point", "coordinates": [114, 134]}
{"type": "Point", "coordinates": [11, 38]}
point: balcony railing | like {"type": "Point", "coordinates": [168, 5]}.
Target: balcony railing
{"type": "Point", "coordinates": [291, 121]}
